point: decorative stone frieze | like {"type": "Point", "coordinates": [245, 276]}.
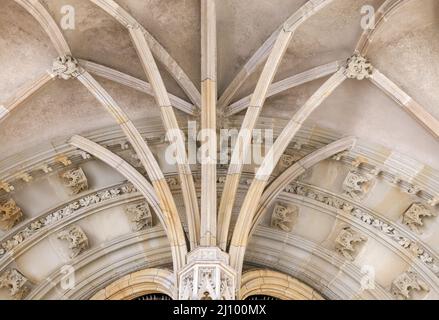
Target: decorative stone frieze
{"type": "Point", "coordinates": [10, 215]}
{"type": "Point", "coordinates": [76, 238]}
{"type": "Point", "coordinates": [66, 67]}
{"type": "Point", "coordinates": [284, 217]}
{"type": "Point", "coordinates": [358, 67]}
{"type": "Point", "coordinates": [347, 242]}
{"type": "Point", "coordinates": [406, 283]}
{"type": "Point", "coordinates": [367, 218]}
{"type": "Point", "coordinates": [140, 216]}
{"type": "Point", "coordinates": [413, 216]}
{"type": "Point", "coordinates": [207, 276]}
{"type": "Point", "coordinates": [75, 180]}
{"type": "Point", "coordinates": [15, 282]}
{"type": "Point", "coordinates": [70, 209]}
{"type": "Point", "coordinates": [356, 185]}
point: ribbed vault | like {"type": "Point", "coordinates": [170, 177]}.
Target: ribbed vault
{"type": "Point", "coordinates": [342, 206]}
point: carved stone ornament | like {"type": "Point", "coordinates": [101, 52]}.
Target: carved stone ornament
{"type": "Point", "coordinates": [6, 187]}
{"type": "Point", "coordinates": [90, 200]}
{"type": "Point", "coordinates": [358, 67]}
{"type": "Point", "coordinates": [66, 67]}
{"type": "Point", "coordinates": [64, 160]}
{"type": "Point", "coordinates": [140, 216]}
{"type": "Point", "coordinates": [207, 276]}
{"type": "Point", "coordinates": [75, 180]}
{"type": "Point", "coordinates": [412, 217]}
{"type": "Point", "coordinates": [346, 241]}
{"type": "Point", "coordinates": [287, 160]}
{"type": "Point", "coordinates": [76, 238]}
{"type": "Point", "coordinates": [10, 214]}
{"type": "Point", "coordinates": [405, 283]}
{"type": "Point", "coordinates": [397, 235]}
{"type": "Point", "coordinates": [356, 185]}
{"type": "Point", "coordinates": [173, 182]}
{"type": "Point", "coordinates": [15, 282]}
{"type": "Point", "coordinates": [284, 216]}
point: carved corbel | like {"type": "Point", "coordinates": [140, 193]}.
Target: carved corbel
{"type": "Point", "coordinates": [10, 215]}
{"type": "Point", "coordinates": [284, 217]}
{"type": "Point", "coordinates": [75, 180]}
{"type": "Point", "coordinates": [347, 241]}
{"type": "Point", "coordinates": [406, 283]}
{"type": "Point", "coordinates": [15, 282]}
{"type": "Point", "coordinates": [140, 216]}
{"type": "Point", "coordinates": [76, 238]}
{"type": "Point", "coordinates": [356, 185]}
{"type": "Point", "coordinates": [413, 216]}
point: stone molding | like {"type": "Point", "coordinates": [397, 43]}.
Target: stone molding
{"type": "Point", "coordinates": [36, 226]}
{"type": "Point", "coordinates": [288, 262]}
{"type": "Point", "coordinates": [423, 186]}
{"type": "Point", "coordinates": [399, 236]}
{"type": "Point", "coordinates": [277, 284]}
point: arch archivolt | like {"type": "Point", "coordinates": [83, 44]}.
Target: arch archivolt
{"type": "Point", "coordinates": [276, 284]}
{"type": "Point", "coordinates": [139, 283]}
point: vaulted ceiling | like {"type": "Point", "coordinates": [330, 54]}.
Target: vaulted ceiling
{"type": "Point", "coordinates": [357, 179]}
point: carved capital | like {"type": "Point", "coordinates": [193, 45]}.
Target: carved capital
{"type": "Point", "coordinates": [15, 282]}
{"type": "Point", "coordinates": [404, 284]}
{"type": "Point", "coordinates": [358, 67]}
{"type": "Point", "coordinates": [76, 238]}
{"type": "Point", "coordinates": [347, 241]}
{"type": "Point", "coordinates": [66, 67]}
{"type": "Point", "coordinates": [10, 214]}
{"type": "Point", "coordinates": [284, 217]}
{"type": "Point", "coordinates": [140, 216]}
